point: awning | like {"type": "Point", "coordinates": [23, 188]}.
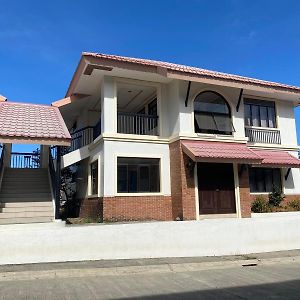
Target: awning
{"type": "Point", "coordinates": [24, 123]}
{"type": "Point", "coordinates": [275, 158]}
{"type": "Point", "coordinates": [206, 151]}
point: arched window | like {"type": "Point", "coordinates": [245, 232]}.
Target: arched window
{"type": "Point", "coordinates": [212, 114]}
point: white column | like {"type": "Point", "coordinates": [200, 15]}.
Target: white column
{"type": "Point", "coordinates": [108, 105]}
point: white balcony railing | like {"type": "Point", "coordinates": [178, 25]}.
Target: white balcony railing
{"type": "Point", "coordinates": [263, 135]}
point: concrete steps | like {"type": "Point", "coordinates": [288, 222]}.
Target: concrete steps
{"type": "Point", "coordinates": [25, 197]}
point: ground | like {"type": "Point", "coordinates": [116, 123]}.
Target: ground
{"type": "Point", "coordinates": [260, 276]}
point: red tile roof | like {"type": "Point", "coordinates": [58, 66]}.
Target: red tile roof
{"type": "Point", "coordinates": [276, 158]}
{"type": "Point", "coordinates": [33, 122]}
{"type": "Point", "coordinates": [195, 71]}
{"type": "Point", "coordinates": [219, 152]}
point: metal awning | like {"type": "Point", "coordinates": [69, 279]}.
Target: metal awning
{"type": "Point", "coordinates": [24, 123]}
{"type": "Point", "coordinates": [207, 151]}
{"type": "Point", "coordinates": [277, 158]}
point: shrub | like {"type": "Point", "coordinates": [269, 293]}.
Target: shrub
{"type": "Point", "coordinates": [276, 197]}
{"type": "Point", "coordinates": [259, 205]}
{"type": "Point", "coordinates": [294, 204]}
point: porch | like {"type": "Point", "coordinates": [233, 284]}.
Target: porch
{"type": "Point", "coordinates": [29, 181]}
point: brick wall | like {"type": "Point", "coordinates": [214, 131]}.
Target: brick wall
{"type": "Point", "coordinates": [245, 198]}
{"type": "Point", "coordinates": [182, 184]}
{"type": "Point", "coordinates": [91, 208]}
{"type": "Point", "coordinates": [137, 208]}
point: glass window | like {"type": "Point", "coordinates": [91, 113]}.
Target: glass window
{"type": "Point", "coordinates": [263, 180]}
{"type": "Point", "coordinates": [260, 113]}
{"type": "Point", "coordinates": [138, 175]}
{"type": "Point", "coordinates": [94, 178]}
{"type": "Point", "coordinates": [212, 114]}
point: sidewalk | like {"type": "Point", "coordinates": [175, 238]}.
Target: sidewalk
{"type": "Point", "coordinates": [142, 266]}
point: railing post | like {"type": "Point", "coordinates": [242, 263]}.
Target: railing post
{"type": "Point", "coordinates": [58, 183]}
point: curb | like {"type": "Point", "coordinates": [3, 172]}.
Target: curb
{"type": "Point", "coordinates": [146, 269]}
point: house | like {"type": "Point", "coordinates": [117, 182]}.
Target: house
{"type": "Point", "coordinates": [159, 141]}
{"type": "Point", "coordinates": [149, 140]}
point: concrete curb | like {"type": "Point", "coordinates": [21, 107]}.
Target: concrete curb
{"type": "Point", "coordinates": [145, 269]}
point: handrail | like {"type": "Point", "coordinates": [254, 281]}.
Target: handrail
{"type": "Point", "coordinates": [2, 161]}
{"type": "Point", "coordinates": [135, 123]}
{"type": "Point", "coordinates": [25, 160]}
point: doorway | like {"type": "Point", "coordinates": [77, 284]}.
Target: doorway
{"type": "Point", "coordinates": [216, 188]}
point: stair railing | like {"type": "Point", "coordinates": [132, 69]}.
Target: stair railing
{"type": "Point", "coordinates": [2, 149]}
{"type": "Point", "coordinates": [55, 174]}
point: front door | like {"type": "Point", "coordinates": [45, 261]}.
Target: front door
{"type": "Point", "coordinates": [216, 188]}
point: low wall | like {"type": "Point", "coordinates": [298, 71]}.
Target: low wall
{"type": "Point", "coordinates": [41, 243]}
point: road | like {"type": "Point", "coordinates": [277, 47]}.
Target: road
{"type": "Point", "coordinates": [268, 278]}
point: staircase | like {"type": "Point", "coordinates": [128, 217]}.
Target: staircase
{"type": "Point", "coordinates": [25, 196]}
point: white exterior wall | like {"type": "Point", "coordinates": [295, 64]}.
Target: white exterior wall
{"type": "Point", "coordinates": [286, 123]}
{"type": "Point", "coordinates": [113, 149]}
{"type": "Point", "coordinates": [39, 243]}
{"type": "Point", "coordinates": [291, 186]}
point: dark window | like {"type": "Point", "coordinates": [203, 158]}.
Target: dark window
{"type": "Point", "coordinates": [138, 175]}
{"type": "Point", "coordinates": [263, 180]}
{"type": "Point", "coordinates": [260, 113]}
{"type": "Point", "coordinates": [94, 178]}
{"type": "Point", "coordinates": [212, 114]}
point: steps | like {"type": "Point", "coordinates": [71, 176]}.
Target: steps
{"type": "Point", "coordinates": [25, 196]}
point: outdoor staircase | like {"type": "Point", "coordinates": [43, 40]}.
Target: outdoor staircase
{"type": "Point", "coordinates": [25, 196]}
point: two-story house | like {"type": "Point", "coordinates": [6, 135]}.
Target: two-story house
{"type": "Point", "coordinates": [159, 141]}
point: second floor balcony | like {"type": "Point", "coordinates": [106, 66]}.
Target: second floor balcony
{"type": "Point", "coordinates": [263, 135]}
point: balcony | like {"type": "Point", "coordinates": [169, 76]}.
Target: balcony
{"type": "Point", "coordinates": [263, 135]}
{"type": "Point", "coordinates": [83, 137]}
{"type": "Point", "coordinates": [140, 124]}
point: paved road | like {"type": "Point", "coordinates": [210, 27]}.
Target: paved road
{"type": "Point", "coordinates": [274, 279]}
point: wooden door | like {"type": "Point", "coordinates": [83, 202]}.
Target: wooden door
{"type": "Point", "coordinates": [216, 188]}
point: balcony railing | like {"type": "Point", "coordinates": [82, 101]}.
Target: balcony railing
{"type": "Point", "coordinates": [140, 124]}
{"type": "Point", "coordinates": [25, 160]}
{"type": "Point", "coordinates": [263, 135]}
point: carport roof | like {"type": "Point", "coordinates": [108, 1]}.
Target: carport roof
{"type": "Point", "coordinates": [25, 123]}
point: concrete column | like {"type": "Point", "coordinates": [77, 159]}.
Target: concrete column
{"type": "Point", "coordinates": [7, 155]}
{"type": "Point", "coordinates": [44, 156]}
{"type": "Point", "coordinates": [108, 105]}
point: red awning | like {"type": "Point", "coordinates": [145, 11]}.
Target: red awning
{"type": "Point", "coordinates": [275, 158]}
{"type": "Point", "coordinates": [206, 151]}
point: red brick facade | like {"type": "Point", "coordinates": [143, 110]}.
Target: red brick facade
{"type": "Point", "coordinates": [182, 184]}
{"type": "Point", "coordinates": [245, 198]}
{"type": "Point", "coordinates": [137, 208]}
{"type": "Point", "coordinates": [91, 207]}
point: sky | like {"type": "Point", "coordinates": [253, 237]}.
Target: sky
{"type": "Point", "coordinates": [41, 41]}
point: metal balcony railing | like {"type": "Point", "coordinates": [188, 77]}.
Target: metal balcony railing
{"type": "Point", "coordinates": [263, 135]}
{"type": "Point", "coordinates": [140, 124]}
{"type": "Point", "coordinates": [23, 160]}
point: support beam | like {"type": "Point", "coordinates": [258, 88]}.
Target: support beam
{"type": "Point", "coordinates": [287, 174]}
{"type": "Point", "coordinates": [240, 99]}
{"type": "Point", "coordinates": [187, 94]}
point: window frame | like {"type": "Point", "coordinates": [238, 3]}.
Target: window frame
{"type": "Point", "coordinates": [212, 115]}
{"type": "Point", "coordinates": [90, 188]}
{"type": "Point", "coordinates": [263, 172]}
{"type": "Point", "coordinates": [130, 156]}
{"type": "Point", "coordinates": [260, 104]}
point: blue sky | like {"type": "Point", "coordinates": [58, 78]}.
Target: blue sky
{"type": "Point", "coordinates": [41, 41]}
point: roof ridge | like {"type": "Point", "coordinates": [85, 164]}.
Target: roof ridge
{"type": "Point", "coordinates": [191, 69]}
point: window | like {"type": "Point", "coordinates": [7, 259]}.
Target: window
{"type": "Point", "coordinates": [138, 175]}
{"type": "Point", "coordinates": [263, 180]}
{"type": "Point", "coordinates": [212, 114]}
{"type": "Point", "coordinates": [94, 178]}
{"type": "Point", "coordinates": [260, 113]}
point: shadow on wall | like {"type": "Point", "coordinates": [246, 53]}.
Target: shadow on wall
{"type": "Point", "coordinates": [278, 290]}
